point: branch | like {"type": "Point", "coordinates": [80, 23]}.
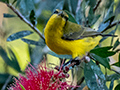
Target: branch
{"type": "Point", "coordinates": [96, 6]}
{"type": "Point", "coordinates": [6, 83]}
{"type": "Point", "coordinates": [112, 25]}
{"type": "Point", "coordinates": [78, 5]}
{"type": "Point", "coordinates": [25, 20]}
{"type": "Point", "coordinates": [115, 71]}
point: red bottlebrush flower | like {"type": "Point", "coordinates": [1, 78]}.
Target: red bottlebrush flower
{"type": "Point", "coordinates": [41, 79]}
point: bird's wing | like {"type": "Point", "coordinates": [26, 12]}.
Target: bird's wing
{"type": "Point", "coordinates": [74, 31]}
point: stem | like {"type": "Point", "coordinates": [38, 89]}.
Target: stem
{"type": "Point", "coordinates": [25, 20]}
{"type": "Point", "coordinates": [6, 83]}
{"type": "Point", "coordinates": [78, 5]}
{"type": "Point", "coordinates": [112, 25]}
{"type": "Point", "coordinates": [115, 71]}
{"type": "Point", "coordinates": [96, 6]}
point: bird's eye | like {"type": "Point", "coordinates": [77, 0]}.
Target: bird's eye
{"type": "Point", "coordinates": [55, 12]}
{"type": "Point", "coordinates": [66, 18]}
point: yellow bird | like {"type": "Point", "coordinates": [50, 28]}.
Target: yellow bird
{"type": "Point", "coordinates": [65, 37]}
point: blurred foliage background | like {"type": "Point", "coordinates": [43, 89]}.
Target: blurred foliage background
{"type": "Point", "coordinates": [15, 54]}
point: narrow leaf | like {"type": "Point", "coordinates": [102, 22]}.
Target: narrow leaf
{"type": "Point", "coordinates": [113, 76]}
{"type": "Point", "coordinates": [103, 61]}
{"type": "Point", "coordinates": [5, 1]}
{"type": "Point", "coordinates": [94, 20]}
{"type": "Point", "coordinates": [111, 18]}
{"type": "Point", "coordinates": [14, 1]}
{"type": "Point", "coordinates": [22, 87]}
{"type": "Point", "coordinates": [111, 33]}
{"type": "Point", "coordinates": [116, 64]}
{"type": "Point", "coordinates": [4, 77]}
{"type": "Point", "coordinates": [119, 59]}
{"type": "Point", "coordinates": [114, 33]}
{"type": "Point", "coordinates": [32, 17]}
{"type": "Point", "coordinates": [6, 15]}
{"type": "Point", "coordinates": [103, 26]}
{"type": "Point", "coordinates": [117, 87]}
{"type": "Point", "coordinates": [94, 78]}
{"type": "Point", "coordinates": [59, 5]}
{"type": "Point", "coordinates": [36, 54]}
{"type": "Point", "coordinates": [19, 35]}
{"type": "Point", "coordinates": [111, 84]}
{"type": "Point", "coordinates": [28, 41]}
{"type": "Point", "coordinates": [116, 44]}
{"type": "Point", "coordinates": [107, 20]}
{"type": "Point", "coordinates": [25, 7]}
{"type": "Point", "coordinates": [103, 51]}
{"type": "Point", "coordinates": [11, 62]}
{"type": "Point", "coordinates": [59, 56]}
{"type": "Point", "coordinates": [71, 18]}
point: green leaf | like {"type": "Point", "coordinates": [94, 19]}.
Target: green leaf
{"type": "Point", "coordinates": [95, 20]}
{"type": "Point", "coordinates": [59, 5]}
{"type": "Point", "coordinates": [5, 1]}
{"type": "Point", "coordinates": [113, 76]}
{"type": "Point", "coordinates": [80, 13]}
{"type": "Point", "coordinates": [60, 56]}
{"type": "Point", "coordinates": [116, 44]}
{"type": "Point", "coordinates": [26, 6]}
{"type": "Point", "coordinates": [114, 34]}
{"type": "Point", "coordinates": [33, 18]}
{"type": "Point", "coordinates": [67, 5]}
{"type": "Point", "coordinates": [22, 87]}
{"type": "Point", "coordinates": [103, 61]}
{"type": "Point", "coordinates": [109, 17]}
{"type": "Point", "coordinates": [6, 15]}
{"type": "Point", "coordinates": [92, 3]}
{"type": "Point", "coordinates": [103, 51]}
{"type": "Point", "coordinates": [80, 17]}
{"type": "Point", "coordinates": [119, 59]}
{"type": "Point", "coordinates": [117, 63]}
{"type": "Point", "coordinates": [71, 18]}
{"type": "Point", "coordinates": [14, 1]}
{"type": "Point", "coordinates": [117, 10]}
{"type": "Point", "coordinates": [37, 53]}
{"type": "Point", "coordinates": [19, 35]}
{"type": "Point", "coordinates": [12, 61]}
{"type": "Point", "coordinates": [4, 77]}
{"type": "Point", "coordinates": [90, 15]}
{"type": "Point", "coordinates": [73, 4]}
{"type": "Point", "coordinates": [94, 77]}
{"type": "Point", "coordinates": [103, 26]}
{"type": "Point", "coordinates": [17, 3]}
{"type": "Point", "coordinates": [117, 87]}
{"type": "Point", "coordinates": [111, 33]}
{"type": "Point", "coordinates": [111, 84]}
{"type": "Point", "coordinates": [28, 41]}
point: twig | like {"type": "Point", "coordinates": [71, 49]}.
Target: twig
{"type": "Point", "coordinates": [78, 5]}
{"type": "Point", "coordinates": [115, 71]}
{"type": "Point", "coordinates": [81, 81]}
{"type": "Point", "coordinates": [6, 83]}
{"type": "Point", "coordinates": [112, 25]}
{"type": "Point", "coordinates": [25, 20]}
{"type": "Point", "coordinates": [110, 69]}
{"type": "Point", "coordinates": [96, 6]}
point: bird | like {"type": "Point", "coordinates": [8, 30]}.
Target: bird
{"type": "Point", "coordinates": [65, 37]}
{"type": "Point", "coordinates": [68, 38]}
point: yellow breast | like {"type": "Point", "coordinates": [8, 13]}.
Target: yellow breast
{"type": "Point", "coordinates": [53, 33]}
